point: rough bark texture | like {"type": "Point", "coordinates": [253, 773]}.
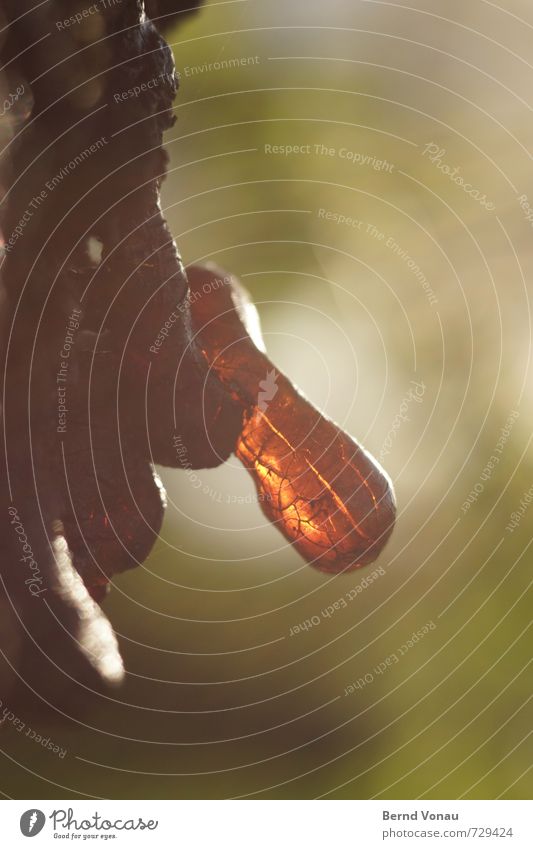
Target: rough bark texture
{"type": "Point", "coordinates": [90, 276]}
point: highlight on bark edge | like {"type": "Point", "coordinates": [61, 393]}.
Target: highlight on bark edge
{"type": "Point", "coordinates": [327, 495]}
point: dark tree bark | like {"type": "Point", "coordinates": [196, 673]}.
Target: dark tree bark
{"type": "Point", "coordinates": [91, 274]}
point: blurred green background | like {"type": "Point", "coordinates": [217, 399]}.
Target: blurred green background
{"type": "Point", "coordinates": [220, 700]}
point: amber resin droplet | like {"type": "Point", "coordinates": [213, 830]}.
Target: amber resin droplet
{"type": "Point", "coordinates": [324, 492]}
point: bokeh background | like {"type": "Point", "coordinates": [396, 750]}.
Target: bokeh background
{"type": "Point", "coordinates": [410, 325]}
